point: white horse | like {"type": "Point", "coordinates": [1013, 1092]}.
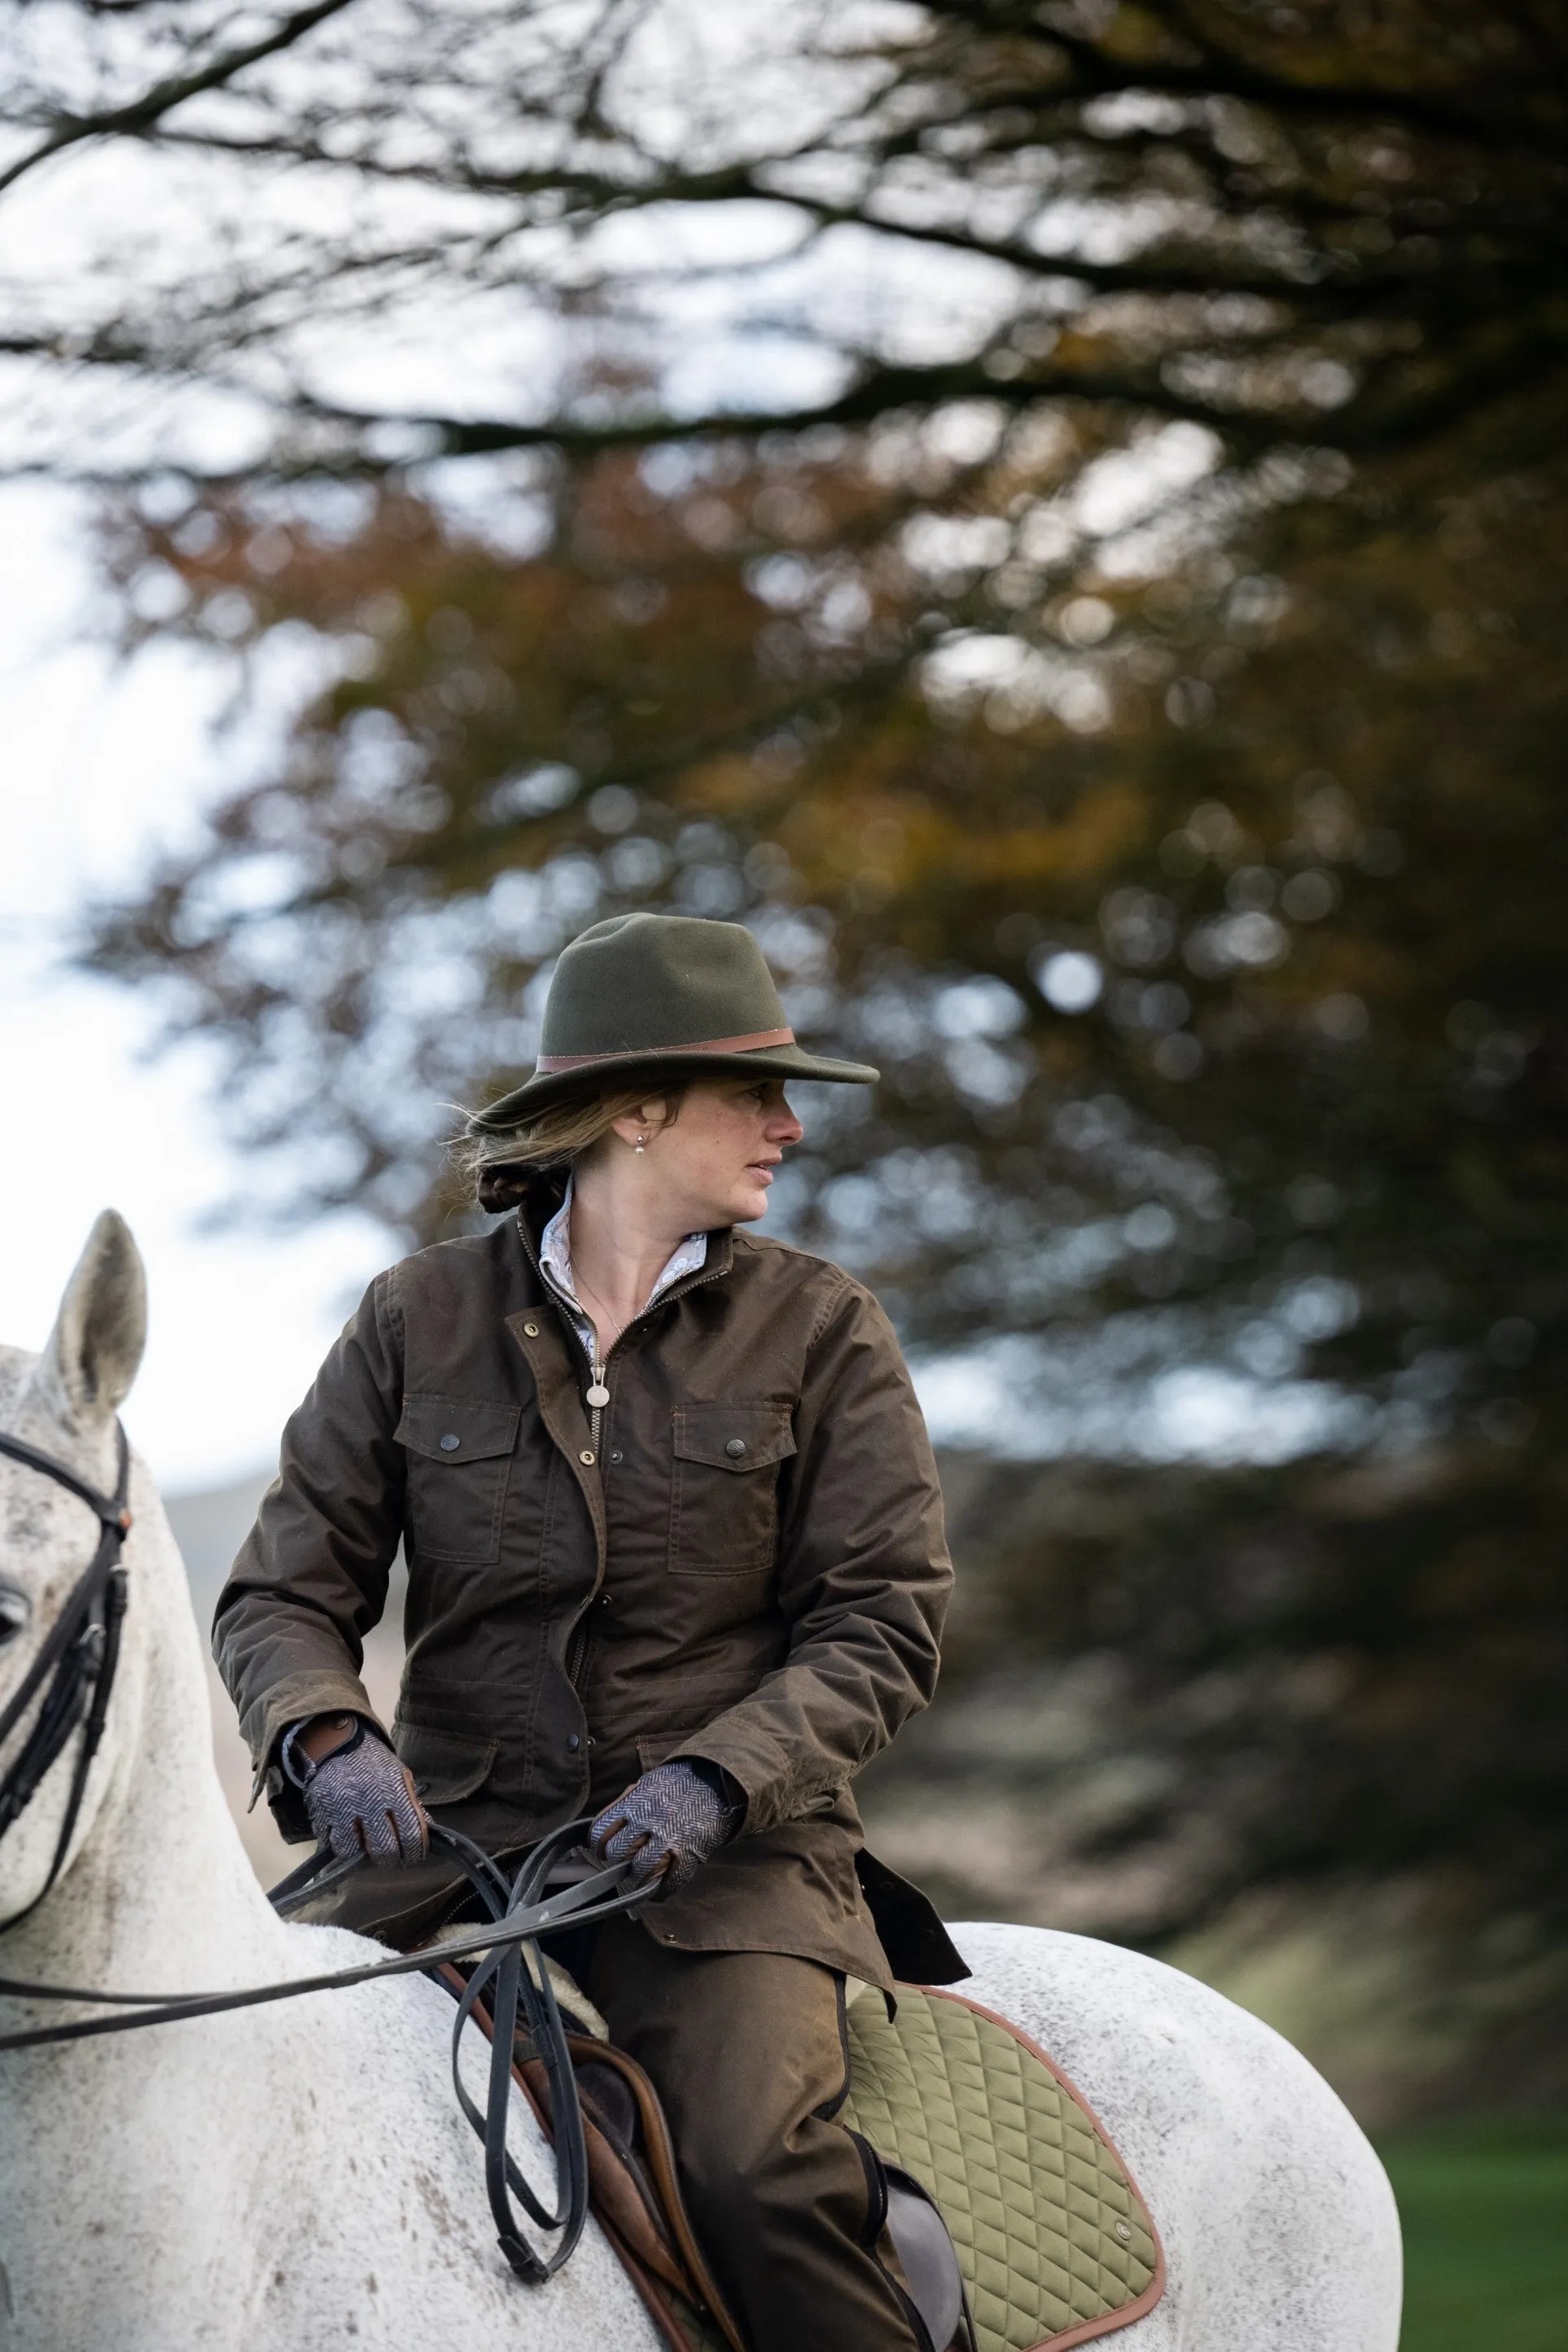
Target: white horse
{"type": "Point", "coordinates": [296, 2177]}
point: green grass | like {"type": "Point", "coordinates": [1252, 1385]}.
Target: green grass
{"type": "Point", "coordinates": [1485, 2208]}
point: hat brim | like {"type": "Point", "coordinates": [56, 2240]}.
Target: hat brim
{"type": "Point", "coordinates": [539, 1092]}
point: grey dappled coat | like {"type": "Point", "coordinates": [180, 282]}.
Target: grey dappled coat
{"type": "Point", "coordinates": [754, 1572]}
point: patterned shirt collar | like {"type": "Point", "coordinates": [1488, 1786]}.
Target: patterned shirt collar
{"type": "Point", "coordinates": [555, 1262]}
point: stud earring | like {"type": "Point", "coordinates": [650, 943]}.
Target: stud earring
{"type": "Point", "coordinates": [640, 1146]}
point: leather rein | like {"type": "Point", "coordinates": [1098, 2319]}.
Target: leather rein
{"type": "Point", "coordinates": [77, 1662]}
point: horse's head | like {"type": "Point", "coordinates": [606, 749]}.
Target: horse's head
{"type": "Point", "coordinates": [63, 1403]}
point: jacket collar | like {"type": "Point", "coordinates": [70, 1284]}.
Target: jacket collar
{"type": "Point", "coordinates": [546, 1191]}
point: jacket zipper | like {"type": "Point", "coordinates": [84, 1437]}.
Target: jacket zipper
{"type": "Point", "coordinates": [583, 1632]}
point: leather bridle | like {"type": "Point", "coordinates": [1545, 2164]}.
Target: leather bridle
{"type": "Point", "coordinates": [76, 1661]}
{"type": "Point", "coordinates": [75, 1670]}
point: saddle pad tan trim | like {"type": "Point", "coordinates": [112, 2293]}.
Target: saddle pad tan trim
{"type": "Point", "coordinates": [1049, 2225]}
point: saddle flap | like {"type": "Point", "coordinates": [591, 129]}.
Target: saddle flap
{"type": "Point", "coordinates": [621, 2194]}
{"type": "Point", "coordinates": [652, 2154]}
{"type": "Point", "coordinates": [926, 2256]}
{"type": "Point", "coordinates": [634, 2186]}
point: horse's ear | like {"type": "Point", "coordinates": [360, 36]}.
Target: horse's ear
{"type": "Point", "coordinates": [101, 1329]}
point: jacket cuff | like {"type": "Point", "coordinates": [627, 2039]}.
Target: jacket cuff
{"type": "Point", "coordinates": [718, 1783]}
{"type": "Point", "coordinates": [324, 1691]}
{"type": "Point", "coordinates": [771, 1797]}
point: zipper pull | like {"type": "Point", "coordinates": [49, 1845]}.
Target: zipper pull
{"type": "Point", "coordinates": [598, 1394]}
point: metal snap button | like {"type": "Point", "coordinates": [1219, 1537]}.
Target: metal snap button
{"type": "Point", "coordinates": [572, 1741]}
{"type": "Point", "coordinates": [450, 1443]}
{"type": "Point", "coordinates": [616, 1456]}
{"type": "Point", "coordinates": [530, 1330]}
{"type": "Point", "coordinates": [586, 1456]}
{"type": "Point", "coordinates": [735, 1448]}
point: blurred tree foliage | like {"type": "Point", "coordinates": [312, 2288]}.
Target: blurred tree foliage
{"type": "Point", "coordinates": [1199, 892]}
{"type": "Point", "coordinates": [1166, 1685]}
{"type": "Point", "coordinates": [1140, 729]}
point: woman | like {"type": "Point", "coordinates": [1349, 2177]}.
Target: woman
{"type": "Point", "coordinates": [676, 1559]}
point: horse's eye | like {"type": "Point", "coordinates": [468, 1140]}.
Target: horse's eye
{"type": "Point", "coordinates": [15, 1612]}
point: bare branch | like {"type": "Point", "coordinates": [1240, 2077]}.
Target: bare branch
{"type": "Point", "coordinates": [142, 114]}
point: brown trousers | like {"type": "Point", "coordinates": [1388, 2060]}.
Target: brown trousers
{"type": "Point", "coordinates": [747, 2052]}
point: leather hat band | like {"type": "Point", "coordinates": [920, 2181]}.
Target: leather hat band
{"type": "Point", "coordinates": [549, 1065]}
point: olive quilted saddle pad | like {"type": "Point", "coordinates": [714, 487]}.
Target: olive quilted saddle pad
{"type": "Point", "coordinates": [1054, 2243]}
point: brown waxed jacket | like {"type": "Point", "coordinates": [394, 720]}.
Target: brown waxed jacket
{"type": "Point", "coordinates": [748, 1567]}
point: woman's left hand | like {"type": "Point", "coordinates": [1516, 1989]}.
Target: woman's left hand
{"type": "Point", "coordinates": [668, 1823]}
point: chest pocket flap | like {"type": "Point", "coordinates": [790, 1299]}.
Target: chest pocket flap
{"type": "Point", "coordinates": [724, 1508]}
{"type": "Point", "coordinates": [458, 1429]}
{"type": "Point", "coordinates": [735, 1437]}
{"type": "Point", "coordinates": [460, 1461]}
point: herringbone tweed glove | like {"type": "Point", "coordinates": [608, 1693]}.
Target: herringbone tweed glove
{"type": "Point", "coordinates": [360, 1798]}
{"type": "Point", "coordinates": [668, 1824]}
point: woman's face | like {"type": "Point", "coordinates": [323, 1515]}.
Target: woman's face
{"type": "Point", "coordinates": [712, 1164]}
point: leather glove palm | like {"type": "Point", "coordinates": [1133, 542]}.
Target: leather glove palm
{"type": "Point", "coordinates": [668, 1823]}
{"type": "Point", "coordinates": [359, 1799]}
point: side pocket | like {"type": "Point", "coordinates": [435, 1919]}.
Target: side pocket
{"type": "Point", "coordinates": [446, 1765]}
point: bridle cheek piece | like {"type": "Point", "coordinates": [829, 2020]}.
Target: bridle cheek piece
{"type": "Point", "coordinates": [76, 1661]}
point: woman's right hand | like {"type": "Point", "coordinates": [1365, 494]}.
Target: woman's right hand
{"type": "Point", "coordinates": [358, 1798]}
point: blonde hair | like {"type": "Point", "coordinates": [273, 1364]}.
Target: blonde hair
{"type": "Point", "coordinates": [556, 1136]}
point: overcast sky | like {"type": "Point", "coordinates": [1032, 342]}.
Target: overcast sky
{"type": "Point", "coordinates": [97, 761]}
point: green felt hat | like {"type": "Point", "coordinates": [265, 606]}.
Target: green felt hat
{"type": "Point", "coordinates": [668, 994]}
